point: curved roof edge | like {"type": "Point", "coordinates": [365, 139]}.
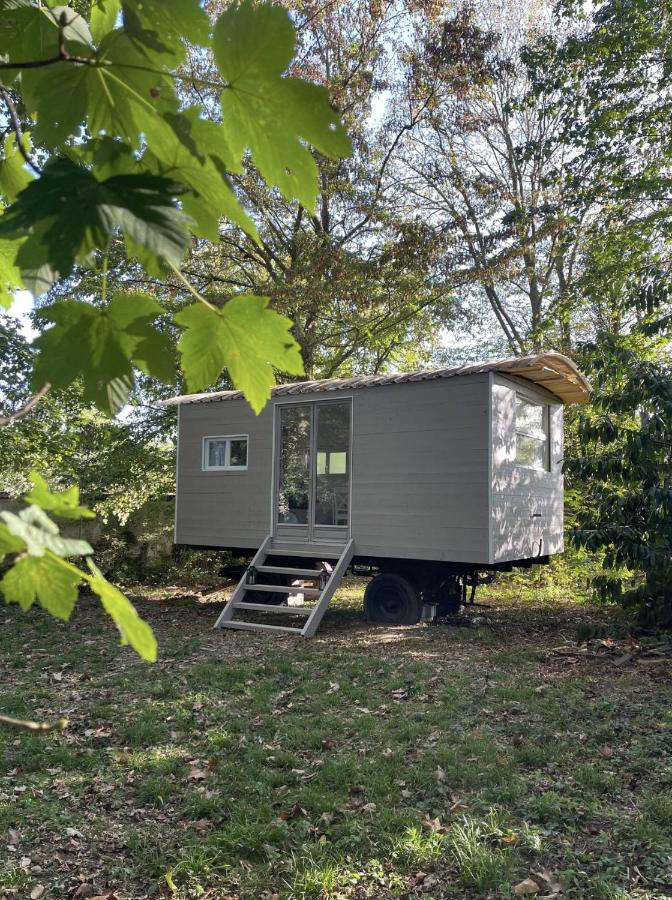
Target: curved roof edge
{"type": "Point", "coordinates": [553, 371]}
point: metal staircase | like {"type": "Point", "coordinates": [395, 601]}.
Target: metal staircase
{"type": "Point", "coordinates": [325, 579]}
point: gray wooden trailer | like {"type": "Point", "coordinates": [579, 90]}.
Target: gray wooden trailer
{"type": "Point", "coordinates": [425, 481]}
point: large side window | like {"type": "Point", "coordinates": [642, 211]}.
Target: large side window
{"type": "Point", "coordinates": [532, 434]}
{"type": "Point", "coordinates": [225, 453]}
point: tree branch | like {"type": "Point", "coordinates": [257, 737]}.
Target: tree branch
{"type": "Point", "coordinates": [27, 406]}
{"type": "Point", "coordinates": [16, 125]}
{"type": "Point", "coordinates": [27, 725]}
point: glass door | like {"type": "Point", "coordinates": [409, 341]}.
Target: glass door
{"type": "Point", "coordinates": [331, 507]}
{"type": "Point", "coordinates": [295, 472]}
{"type": "Point", "coordinates": [312, 497]}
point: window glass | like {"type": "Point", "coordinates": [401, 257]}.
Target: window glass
{"type": "Point", "coordinates": [216, 452]}
{"type": "Point", "coordinates": [332, 485]}
{"type": "Point", "coordinates": [338, 463]}
{"type": "Point", "coordinates": [532, 434]}
{"type": "Point", "coordinates": [224, 453]}
{"type": "Point", "coordinates": [294, 482]}
{"type": "Point", "coordinates": [238, 455]}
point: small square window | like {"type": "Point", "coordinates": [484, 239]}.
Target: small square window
{"type": "Point", "coordinates": [225, 454]}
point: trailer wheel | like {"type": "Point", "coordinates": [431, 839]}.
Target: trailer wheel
{"type": "Point", "coordinates": [391, 599]}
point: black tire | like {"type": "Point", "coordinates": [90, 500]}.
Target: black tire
{"type": "Point", "coordinates": [391, 599]}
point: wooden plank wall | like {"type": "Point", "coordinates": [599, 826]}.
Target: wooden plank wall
{"type": "Point", "coordinates": [223, 509]}
{"type": "Point", "coordinates": [420, 470]}
{"type": "Point", "coordinates": [519, 492]}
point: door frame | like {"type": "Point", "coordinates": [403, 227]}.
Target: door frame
{"type": "Point", "coordinates": [306, 535]}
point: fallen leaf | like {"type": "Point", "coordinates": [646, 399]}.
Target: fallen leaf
{"type": "Point", "coordinates": [528, 886]}
{"type": "Point", "coordinates": [327, 818]}
{"type": "Point", "coordinates": [37, 892]}
{"type": "Point", "coordinates": [369, 808]}
{"type": "Point", "coordinates": [510, 840]}
{"type": "Point", "coordinates": [13, 838]}
{"type": "Point", "coordinates": [333, 687]}
{"type": "Point", "coordinates": [197, 774]}
{"type": "Point", "coordinates": [606, 752]}
{"type": "Point", "coordinates": [292, 812]}
{"type": "Point", "coordinates": [435, 825]}
{"type": "Point", "coordinates": [440, 774]}
{"type": "Point", "coordinates": [84, 890]}
{"type": "Point", "coordinates": [548, 882]}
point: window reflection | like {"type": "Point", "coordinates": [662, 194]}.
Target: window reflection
{"type": "Point", "coordinates": [294, 483]}
{"type": "Point", "coordinates": [332, 482]}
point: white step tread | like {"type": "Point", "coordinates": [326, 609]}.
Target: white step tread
{"type": "Point", "coordinates": [253, 626]}
{"type": "Point", "coordinates": [279, 608]}
{"type": "Point", "coordinates": [323, 594]}
{"type": "Point", "coordinates": [283, 570]}
{"type": "Point", "coordinates": [316, 553]}
{"type": "Point", "coordinates": [283, 589]}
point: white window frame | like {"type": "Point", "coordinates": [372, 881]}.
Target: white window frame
{"type": "Point", "coordinates": [227, 467]}
{"type": "Point", "coordinates": [547, 427]}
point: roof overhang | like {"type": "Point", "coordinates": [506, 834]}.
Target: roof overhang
{"type": "Point", "coordinates": [553, 371]}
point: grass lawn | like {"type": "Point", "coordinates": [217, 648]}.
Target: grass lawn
{"type": "Point", "coordinates": [428, 761]}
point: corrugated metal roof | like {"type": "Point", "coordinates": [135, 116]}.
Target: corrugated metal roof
{"type": "Point", "coordinates": [554, 371]}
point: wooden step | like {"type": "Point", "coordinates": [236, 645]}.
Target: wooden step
{"type": "Point", "coordinates": [317, 553]}
{"type": "Point", "coordinates": [279, 608]}
{"type": "Point", "coordinates": [254, 626]}
{"type": "Point", "coordinates": [323, 594]}
{"type": "Point", "coordinates": [284, 589]}
{"type": "Point", "coordinates": [301, 573]}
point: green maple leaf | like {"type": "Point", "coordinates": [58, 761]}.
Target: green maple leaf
{"type": "Point", "coordinates": [67, 213]}
{"type": "Point", "coordinates": [167, 22]}
{"type": "Point", "coordinates": [9, 543]}
{"type": "Point", "coordinates": [110, 342]}
{"type": "Point", "coordinates": [39, 534]}
{"type": "Point", "coordinates": [29, 32]}
{"type": "Point", "coordinates": [243, 336]}
{"type": "Point", "coordinates": [51, 581]}
{"type": "Point", "coordinates": [59, 503]}
{"type": "Point", "coordinates": [200, 159]}
{"type": "Point", "coordinates": [267, 112]}
{"type": "Point", "coordinates": [10, 274]}
{"type": "Point", "coordinates": [133, 629]}
{"type": "Point", "coordinates": [14, 174]}
{"type": "Point", "coordinates": [124, 91]}
{"type": "Point", "coordinates": [104, 14]}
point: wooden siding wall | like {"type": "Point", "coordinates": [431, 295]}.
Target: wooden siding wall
{"type": "Point", "coordinates": [518, 491]}
{"type": "Point", "coordinates": [223, 509]}
{"type": "Point", "coordinates": [420, 470]}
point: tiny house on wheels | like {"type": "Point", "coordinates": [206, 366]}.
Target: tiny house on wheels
{"type": "Point", "coordinates": [425, 482]}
